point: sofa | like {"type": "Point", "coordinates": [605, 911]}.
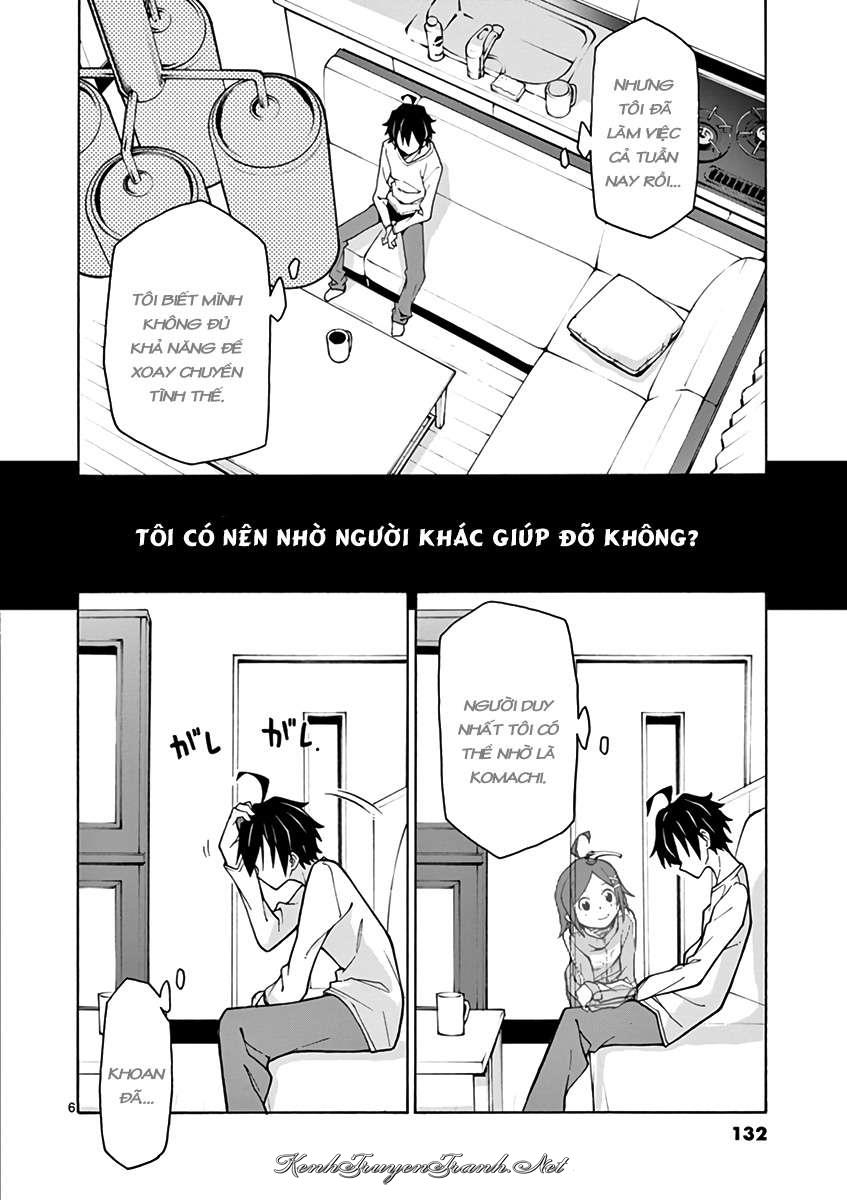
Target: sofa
{"type": "Point", "coordinates": [511, 266]}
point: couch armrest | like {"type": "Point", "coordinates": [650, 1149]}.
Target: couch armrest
{"type": "Point", "coordinates": [659, 430]}
{"type": "Point", "coordinates": [695, 357]}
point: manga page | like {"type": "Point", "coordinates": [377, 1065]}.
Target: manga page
{"type": "Point", "coordinates": [452, 799]}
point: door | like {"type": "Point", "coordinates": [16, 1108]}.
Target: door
{"type": "Point", "coordinates": [680, 722]}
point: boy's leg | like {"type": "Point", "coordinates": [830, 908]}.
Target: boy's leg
{"type": "Point", "coordinates": [347, 231]}
{"type": "Point", "coordinates": [249, 1038]}
{"type": "Point", "coordinates": [413, 249]}
{"type": "Point", "coordinates": [579, 1033]}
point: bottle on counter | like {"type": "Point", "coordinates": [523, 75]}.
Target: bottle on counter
{"type": "Point", "coordinates": [434, 39]}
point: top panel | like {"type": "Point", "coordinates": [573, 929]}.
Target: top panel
{"type": "Point", "coordinates": [373, 237]}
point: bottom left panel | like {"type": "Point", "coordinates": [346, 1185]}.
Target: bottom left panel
{"type": "Point", "coordinates": [242, 855]}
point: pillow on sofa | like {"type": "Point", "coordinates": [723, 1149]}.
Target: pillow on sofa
{"type": "Point", "coordinates": [626, 325]}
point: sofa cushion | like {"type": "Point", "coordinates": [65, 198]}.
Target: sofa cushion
{"type": "Point", "coordinates": [626, 325]}
{"type": "Point", "coordinates": [718, 1067]}
{"type": "Point", "coordinates": [356, 1081]}
{"type": "Point", "coordinates": [353, 181]}
{"type": "Point", "coordinates": [564, 420]}
{"type": "Point", "coordinates": [677, 265]}
{"type": "Point", "coordinates": [489, 280]}
{"type": "Point", "coordinates": [566, 346]}
{"type": "Point", "coordinates": [693, 361]}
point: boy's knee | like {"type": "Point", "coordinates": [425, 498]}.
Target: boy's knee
{"type": "Point", "coordinates": [229, 1025]}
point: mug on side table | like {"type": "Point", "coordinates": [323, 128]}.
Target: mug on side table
{"type": "Point", "coordinates": [451, 1013]}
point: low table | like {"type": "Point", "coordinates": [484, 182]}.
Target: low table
{"type": "Point", "coordinates": [365, 416]}
{"type": "Point", "coordinates": [476, 1056]}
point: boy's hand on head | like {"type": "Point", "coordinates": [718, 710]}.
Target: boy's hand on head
{"type": "Point", "coordinates": [228, 845]}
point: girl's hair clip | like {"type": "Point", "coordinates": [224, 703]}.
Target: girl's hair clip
{"type": "Point", "coordinates": [591, 856]}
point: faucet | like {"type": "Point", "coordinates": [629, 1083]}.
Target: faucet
{"type": "Point", "coordinates": [479, 47]}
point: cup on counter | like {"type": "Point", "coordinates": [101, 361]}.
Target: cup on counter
{"type": "Point", "coordinates": [339, 343]}
{"type": "Point", "coordinates": [102, 1001]}
{"type": "Point", "coordinates": [559, 97]}
{"type": "Point", "coordinates": [451, 1013]}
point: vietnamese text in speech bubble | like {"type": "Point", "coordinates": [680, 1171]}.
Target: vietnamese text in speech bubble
{"type": "Point", "coordinates": [643, 144]}
{"type": "Point", "coordinates": [136, 1074]}
{"type": "Point", "coordinates": [510, 723]}
{"type": "Point", "coordinates": [187, 354]}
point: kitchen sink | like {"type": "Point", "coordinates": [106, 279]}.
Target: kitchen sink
{"type": "Point", "coordinates": [540, 41]}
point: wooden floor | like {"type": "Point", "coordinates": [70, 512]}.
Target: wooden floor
{"type": "Point", "coordinates": [478, 396]}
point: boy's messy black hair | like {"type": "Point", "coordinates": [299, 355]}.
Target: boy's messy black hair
{"type": "Point", "coordinates": [683, 820]}
{"type": "Point", "coordinates": [410, 120]}
{"type": "Point", "coordinates": [283, 824]}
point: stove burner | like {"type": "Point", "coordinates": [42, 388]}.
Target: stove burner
{"type": "Point", "coordinates": [750, 133]}
{"type": "Point", "coordinates": [715, 135]}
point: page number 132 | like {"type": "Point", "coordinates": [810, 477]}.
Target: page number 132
{"type": "Point", "coordinates": [750, 1133]}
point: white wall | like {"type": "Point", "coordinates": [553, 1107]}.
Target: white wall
{"type": "Point", "coordinates": [194, 638]}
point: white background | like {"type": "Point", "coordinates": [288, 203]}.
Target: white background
{"type": "Point", "coordinates": [807, 415]}
{"type": "Point", "coordinates": [47, 1149]}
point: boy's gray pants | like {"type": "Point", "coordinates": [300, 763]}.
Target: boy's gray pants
{"type": "Point", "coordinates": [579, 1034]}
{"type": "Point", "coordinates": [249, 1038]}
{"type": "Point", "coordinates": [413, 248]}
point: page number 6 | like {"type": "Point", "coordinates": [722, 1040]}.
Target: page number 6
{"type": "Point", "coordinates": [750, 1133]}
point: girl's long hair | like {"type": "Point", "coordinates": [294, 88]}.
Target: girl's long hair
{"type": "Point", "coordinates": [575, 879]}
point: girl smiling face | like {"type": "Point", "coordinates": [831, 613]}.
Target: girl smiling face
{"type": "Point", "coordinates": [597, 907]}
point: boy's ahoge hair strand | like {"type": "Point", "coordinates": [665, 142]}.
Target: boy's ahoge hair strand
{"type": "Point", "coordinates": [282, 824]}
{"type": "Point", "coordinates": [683, 821]}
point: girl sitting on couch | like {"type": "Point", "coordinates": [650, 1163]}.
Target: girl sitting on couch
{"type": "Point", "coordinates": [597, 928]}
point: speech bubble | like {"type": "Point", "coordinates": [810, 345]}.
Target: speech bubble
{"type": "Point", "coordinates": [136, 1074]}
{"type": "Point", "coordinates": [510, 722]}
{"type": "Point", "coordinates": [643, 144]}
{"type": "Point", "coordinates": [187, 356]}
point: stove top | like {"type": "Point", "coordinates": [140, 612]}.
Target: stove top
{"type": "Point", "coordinates": [732, 143]}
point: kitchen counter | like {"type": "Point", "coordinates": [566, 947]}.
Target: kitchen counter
{"type": "Point", "coordinates": [392, 27]}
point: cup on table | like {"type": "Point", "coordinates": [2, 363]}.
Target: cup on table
{"type": "Point", "coordinates": [451, 1013]}
{"type": "Point", "coordinates": [102, 1001]}
{"type": "Point", "coordinates": [339, 343]}
{"type": "Point", "coordinates": [559, 97]}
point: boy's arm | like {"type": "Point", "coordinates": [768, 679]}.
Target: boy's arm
{"type": "Point", "coordinates": [726, 921]}
{"type": "Point", "coordinates": [319, 912]}
{"type": "Point", "coordinates": [383, 183]}
{"type": "Point", "coordinates": [430, 181]}
{"type": "Point", "coordinates": [270, 925]}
